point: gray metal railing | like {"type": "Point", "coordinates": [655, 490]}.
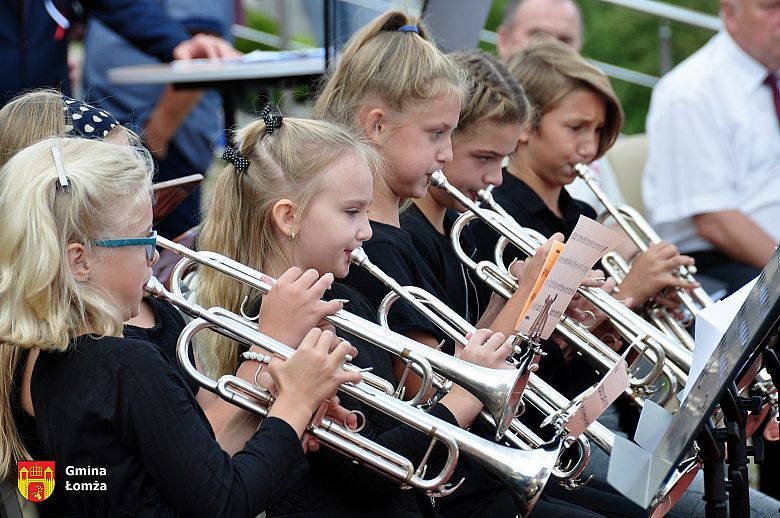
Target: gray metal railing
{"type": "Point", "coordinates": [671, 12]}
{"type": "Point", "coordinates": [614, 71]}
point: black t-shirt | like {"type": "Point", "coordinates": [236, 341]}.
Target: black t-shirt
{"type": "Point", "coordinates": [468, 294]}
{"type": "Point", "coordinates": [117, 403]}
{"type": "Point", "coordinates": [529, 210]}
{"type": "Point", "coordinates": [165, 333]}
{"type": "Point", "coordinates": [392, 250]}
{"type": "Point", "coordinates": [335, 486]}
{"type": "Point", "coordinates": [168, 324]}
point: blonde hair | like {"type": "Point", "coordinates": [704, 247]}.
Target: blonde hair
{"type": "Point", "coordinates": [493, 95]}
{"type": "Point", "coordinates": [44, 306]}
{"type": "Point", "coordinates": [398, 68]}
{"type": "Point", "coordinates": [549, 71]}
{"type": "Point", "coordinates": [34, 116]}
{"type": "Point", "coordinates": [285, 164]}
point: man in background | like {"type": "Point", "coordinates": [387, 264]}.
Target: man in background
{"type": "Point", "coordinates": [525, 18]}
{"type": "Point", "coordinates": [712, 178]}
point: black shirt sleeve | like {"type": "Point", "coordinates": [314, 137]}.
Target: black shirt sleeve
{"type": "Point", "coordinates": [256, 476]}
{"type": "Point", "coordinates": [129, 411]}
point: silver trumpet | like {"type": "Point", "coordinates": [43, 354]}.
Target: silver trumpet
{"type": "Point", "coordinates": [553, 405]}
{"type": "Point", "coordinates": [599, 354]}
{"type": "Point", "coordinates": [499, 279]}
{"type": "Point", "coordinates": [524, 472]}
{"type": "Point", "coordinates": [628, 324]}
{"type": "Point", "coordinates": [643, 235]}
{"type": "Point", "coordinates": [497, 389]}
{"type": "Point", "coordinates": [502, 282]}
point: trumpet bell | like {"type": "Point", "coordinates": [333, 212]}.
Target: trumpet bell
{"type": "Point", "coordinates": [529, 475]}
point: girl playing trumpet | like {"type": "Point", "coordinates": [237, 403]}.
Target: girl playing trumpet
{"type": "Point", "coordinates": [408, 108]}
{"type": "Point", "coordinates": [77, 252]}
{"type": "Point", "coordinates": [293, 202]}
{"type": "Point", "coordinates": [492, 118]}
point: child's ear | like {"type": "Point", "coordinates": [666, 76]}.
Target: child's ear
{"type": "Point", "coordinates": [283, 216]}
{"type": "Point", "coordinates": [525, 134]}
{"type": "Point", "coordinates": [375, 125]}
{"type": "Point", "coordinates": [78, 261]}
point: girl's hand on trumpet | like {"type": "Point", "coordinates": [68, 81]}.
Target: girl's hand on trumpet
{"type": "Point", "coordinates": [331, 409]}
{"type": "Point", "coordinates": [310, 376]}
{"type": "Point", "coordinates": [583, 311]}
{"type": "Point", "coordinates": [294, 305]}
{"type": "Point", "coordinates": [486, 349]}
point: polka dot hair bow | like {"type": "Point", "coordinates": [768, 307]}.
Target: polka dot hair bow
{"type": "Point", "coordinates": [272, 118]}
{"type": "Point", "coordinates": [84, 120]}
{"type": "Point", "coordinates": [234, 156]}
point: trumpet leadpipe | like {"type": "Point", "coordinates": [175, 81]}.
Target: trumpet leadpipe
{"type": "Point", "coordinates": [524, 472]}
{"type": "Point", "coordinates": [497, 389]}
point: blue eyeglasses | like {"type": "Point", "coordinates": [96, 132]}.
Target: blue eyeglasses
{"type": "Point", "coordinates": [148, 243]}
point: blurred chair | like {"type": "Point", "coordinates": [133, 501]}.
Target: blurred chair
{"type": "Point", "coordinates": [627, 158]}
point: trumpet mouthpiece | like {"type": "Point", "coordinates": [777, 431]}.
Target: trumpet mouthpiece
{"type": "Point", "coordinates": [358, 256]}
{"type": "Point", "coordinates": [581, 170]}
{"type": "Point", "coordinates": [438, 179]}
{"type": "Point", "coordinates": [154, 287]}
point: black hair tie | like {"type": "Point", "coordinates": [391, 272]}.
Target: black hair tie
{"type": "Point", "coordinates": [272, 118]}
{"type": "Point", "coordinates": [234, 156]}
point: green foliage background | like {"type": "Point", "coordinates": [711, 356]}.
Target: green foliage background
{"type": "Point", "coordinates": [629, 39]}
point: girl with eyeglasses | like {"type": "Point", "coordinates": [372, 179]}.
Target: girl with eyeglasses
{"type": "Point", "coordinates": [77, 251]}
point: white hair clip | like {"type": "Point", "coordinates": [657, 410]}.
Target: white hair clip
{"type": "Point", "coordinates": [62, 178]}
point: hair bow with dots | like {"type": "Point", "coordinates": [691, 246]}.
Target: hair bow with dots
{"type": "Point", "coordinates": [272, 118]}
{"type": "Point", "coordinates": [234, 156]}
{"type": "Point", "coordinates": [86, 121]}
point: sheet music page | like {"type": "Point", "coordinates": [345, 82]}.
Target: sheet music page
{"type": "Point", "coordinates": [614, 383]}
{"type": "Point", "coordinates": [711, 323]}
{"type": "Point", "coordinates": [587, 244]}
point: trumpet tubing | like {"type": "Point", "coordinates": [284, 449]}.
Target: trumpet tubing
{"type": "Point", "coordinates": [499, 279]}
{"type": "Point", "coordinates": [504, 404]}
{"type": "Point", "coordinates": [497, 389]}
{"type": "Point", "coordinates": [643, 235]}
{"type": "Point", "coordinates": [590, 346]}
{"type": "Point", "coordinates": [524, 472]}
{"type": "Point", "coordinates": [543, 396]}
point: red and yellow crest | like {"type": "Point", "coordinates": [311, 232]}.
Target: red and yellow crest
{"type": "Point", "coordinates": [35, 479]}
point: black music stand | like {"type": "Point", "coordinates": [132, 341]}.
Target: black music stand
{"type": "Point", "coordinates": [639, 472]}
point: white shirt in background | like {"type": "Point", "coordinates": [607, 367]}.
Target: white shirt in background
{"type": "Point", "coordinates": [713, 144]}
